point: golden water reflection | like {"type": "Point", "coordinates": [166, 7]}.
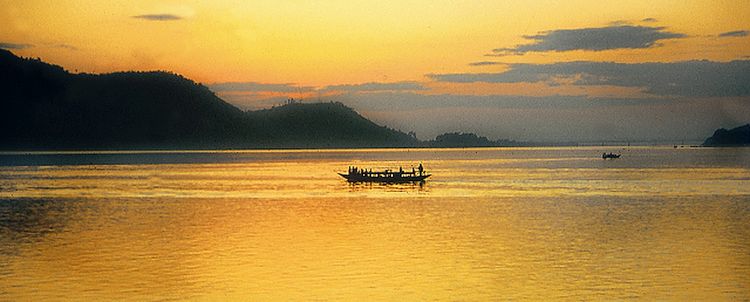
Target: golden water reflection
{"type": "Point", "coordinates": [480, 230]}
{"type": "Point", "coordinates": [480, 249]}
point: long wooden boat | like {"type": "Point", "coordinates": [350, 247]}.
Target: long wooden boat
{"type": "Point", "coordinates": [386, 176]}
{"type": "Point", "coordinates": [610, 155]}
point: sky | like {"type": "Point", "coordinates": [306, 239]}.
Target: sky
{"type": "Point", "coordinates": [536, 70]}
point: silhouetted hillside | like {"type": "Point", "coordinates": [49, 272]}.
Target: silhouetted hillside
{"type": "Point", "coordinates": [326, 125]}
{"type": "Point", "coordinates": [739, 136]}
{"type": "Point", "coordinates": [458, 139]}
{"type": "Point", "coordinates": [44, 106]}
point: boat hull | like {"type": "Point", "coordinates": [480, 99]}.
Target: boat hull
{"type": "Point", "coordinates": [394, 179]}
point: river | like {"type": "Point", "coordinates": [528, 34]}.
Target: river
{"type": "Point", "coordinates": [660, 223]}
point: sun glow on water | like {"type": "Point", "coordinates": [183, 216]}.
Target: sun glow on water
{"type": "Point", "coordinates": [508, 223]}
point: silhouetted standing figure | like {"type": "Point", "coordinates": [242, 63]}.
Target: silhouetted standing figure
{"type": "Point", "coordinates": [421, 169]}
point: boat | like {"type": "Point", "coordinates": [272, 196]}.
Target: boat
{"type": "Point", "coordinates": [610, 155]}
{"type": "Point", "coordinates": [386, 176]}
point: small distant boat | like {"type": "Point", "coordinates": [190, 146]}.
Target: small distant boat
{"type": "Point", "coordinates": [386, 176]}
{"type": "Point", "coordinates": [610, 155]}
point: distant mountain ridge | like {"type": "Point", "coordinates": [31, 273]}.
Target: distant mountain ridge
{"type": "Point", "coordinates": [459, 139]}
{"type": "Point", "coordinates": [46, 107]}
{"type": "Point", "coordinates": [739, 136]}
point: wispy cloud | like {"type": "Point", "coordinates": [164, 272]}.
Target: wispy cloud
{"type": "Point", "coordinates": [593, 39]}
{"type": "Point", "coordinates": [484, 63]}
{"type": "Point", "coordinates": [688, 78]}
{"type": "Point", "coordinates": [158, 17]}
{"type": "Point", "coordinates": [63, 46]}
{"type": "Point", "coordinates": [620, 23]}
{"type": "Point", "coordinates": [371, 87]}
{"type": "Point", "coordinates": [258, 87]}
{"type": "Point", "coordinates": [736, 33]}
{"type": "Point", "coordinates": [7, 45]}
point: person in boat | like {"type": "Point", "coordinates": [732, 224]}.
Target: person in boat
{"type": "Point", "coordinates": [421, 169]}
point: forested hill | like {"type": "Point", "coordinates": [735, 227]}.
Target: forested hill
{"type": "Point", "coordinates": [326, 125]}
{"type": "Point", "coordinates": [46, 107]}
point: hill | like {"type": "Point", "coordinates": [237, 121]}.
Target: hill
{"type": "Point", "coordinates": [459, 139]}
{"type": "Point", "coordinates": [324, 125]}
{"type": "Point", "coordinates": [46, 107]}
{"type": "Point", "coordinates": [739, 136]}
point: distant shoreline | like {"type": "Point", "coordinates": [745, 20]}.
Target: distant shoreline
{"type": "Point", "coordinates": [336, 149]}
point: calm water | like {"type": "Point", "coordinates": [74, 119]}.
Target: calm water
{"type": "Point", "coordinates": [491, 224]}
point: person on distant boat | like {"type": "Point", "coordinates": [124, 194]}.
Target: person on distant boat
{"type": "Point", "coordinates": [421, 169]}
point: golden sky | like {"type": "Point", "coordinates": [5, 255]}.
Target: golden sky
{"type": "Point", "coordinates": [345, 42]}
{"type": "Point", "coordinates": [427, 49]}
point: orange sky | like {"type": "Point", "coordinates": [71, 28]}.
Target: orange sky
{"type": "Point", "coordinates": [334, 42]}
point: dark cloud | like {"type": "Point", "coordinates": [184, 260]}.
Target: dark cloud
{"type": "Point", "coordinates": [688, 78]}
{"type": "Point", "coordinates": [484, 63]}
{"type": "Point", "coordinates": [158, 17]}
{"type": "Point", "coordinates": [593, 39]}
{"type": "Point", "coordinates": [736, 33]}
{"type": "Point", "coordinates": [370, 87]}
{"type": "Point", "coordinates": [6, 45]}
{"type": "Point", "coordinates": [258, 87]}
{"type": "Point", "coordinates": [649, 20]}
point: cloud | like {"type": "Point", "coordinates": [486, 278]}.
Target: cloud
{"type": "Point", "coordinates": [620, 23]}
{"type": "Point", "coordinates": [593, 39]}
{"type": "Point", "coordinates": [258, 87]}
{"type": "Point", "coordinates": [373, 86]}
{"type": "Point", "coordinates": [66, 46]}
{"type": "Point", "coordinates": [395, 100]}
{"type": "Point", "coordinates": [649, 20]}
{"type": "Point", "coordinates": [484, 63]}
{"type": "Point", "coordinates": [6, 45]}
{"type": "Point", "coordinates": [158, 17]}
{"type": "Point", "coordinates": [62, 46]}
{"type": "Point", "coordinates": [687, 78]}
{"type": "Point", "coordinates": [736, 33]}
